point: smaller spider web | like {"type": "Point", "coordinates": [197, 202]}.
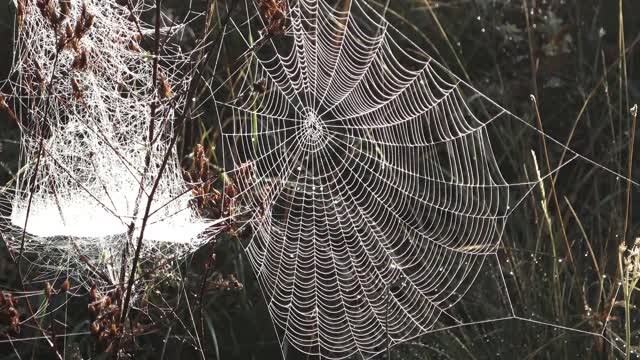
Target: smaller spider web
{"type": "Point", "coordinates": [88, 165]}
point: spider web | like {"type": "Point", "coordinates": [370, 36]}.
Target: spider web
{"type": "Point", "coordinates": [377, 196]}
{"type": "Point", "coordinates": [89, 164]}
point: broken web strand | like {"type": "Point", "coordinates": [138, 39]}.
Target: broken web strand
{"type": "Point", "coordinates": [295, 77]}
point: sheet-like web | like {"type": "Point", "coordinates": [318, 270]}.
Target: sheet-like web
{"type": "Point", "coordinates": [370, 170]}
{"type": "Point", "coordinates": [95, 130]}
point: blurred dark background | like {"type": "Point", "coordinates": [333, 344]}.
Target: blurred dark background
{"type": "Point", "coordinates": [568, 54]}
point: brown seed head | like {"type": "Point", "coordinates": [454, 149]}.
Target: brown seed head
{"type": "Point", "coordinates": [118, 294]}
{"type": "Point", "coordinates": [93, 294]}
{"type": "Point", "coordinates": [165, 89]}
{"type": "Point", "coordinates": [62, 42]}
{"type": "Point", "coordinates": [89, 21]}
{"type": "Point", "coordinates": [80, 61]}
{"type": "Point", "coordinates": [75, 87]}
{"type": "Point", "coordinates": [65, 286]}
{"type": "Point", "coordinates": [65, 7]}
{"type": "Point", "coordinates": [94, 328]}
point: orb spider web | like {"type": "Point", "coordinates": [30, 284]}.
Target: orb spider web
{"type": "Point", "coordinates": [378, 199]}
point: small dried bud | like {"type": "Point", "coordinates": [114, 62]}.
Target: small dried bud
{"type": "Point", "coordinates": [15, 324]}
{"type": "Point", "coordinates": [68, 31]}
{"type": "Point", "coordinates": [79, 28]}
{"type": "Point", "coordinates": [77, 92]}
{"type": "Point", "coordinates": [94, 328]}
{"type": "Point", "coordinates": [65, 7]}
{"type": "Point", "coordinates": [21, 13]}
{"type": "Point", "coordinates": [12, 312]}
{"type": "Point", "coordinates": [231, 191]}
{"type": "Point", "coordinates": [93, 294]}
{"type": "Point", "coordinates": [62, 42]}
{"type": "Point", "coordinates": [118, 294]}
{"type": "Point", "coordinates": [92, 309]}
{"type": "Point", "coordinates": [3, 103]}
{"type": "Point", "coordinates": [107, 301]}
{"type": "Point", "coordinates": [80, 61]}
{"type": "Point", "coordinates": [48, 11]}
{"type": "Point", "coordinates": [83, 10]}
{"type": "Point", "coordinates": [165, 89]}
{"type": "Point", "coordinates": [89, 21]}
{"type": "Point", "coordinates": [133, 46]}
{"type": "Point", "coordinates": [65, 286]}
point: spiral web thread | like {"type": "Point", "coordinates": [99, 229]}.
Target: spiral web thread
{"type": "Point", "coordinates": [369, 168]}
{"type": "Point", "coordinates": [87, 186]}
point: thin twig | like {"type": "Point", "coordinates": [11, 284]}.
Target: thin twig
{"type": "Point", "coordinates": [195, 83]}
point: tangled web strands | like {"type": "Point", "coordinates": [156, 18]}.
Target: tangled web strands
{"type": "Point", "coordinates": [370, 171]}
{"type": "Point", "coordinates": [98, 164]}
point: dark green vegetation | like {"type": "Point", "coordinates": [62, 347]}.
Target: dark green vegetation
{"type": "Point", "coordinates": [560, 249]}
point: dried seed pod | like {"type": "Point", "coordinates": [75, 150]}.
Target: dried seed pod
{"type": "Point", "coordinates": [48, 11]}
{"type": "Point", "coordinates": [15, 324]}
{"type": "Point", "coordinates": [165, 89]}
{"type": "Point", "coordinates": [80, 61]}
{"type": "Point", "coordinates": [133, 46]}
{"type": "Point", "coordinates": [65, 7]}
{"type": "Point", "coordinates": [231, 190]}
{"type": "Point", "coordinates": [65, 286]}
{"type": "Point", "coordinates": [89, 21]}
{"type": "Point", "coordinates": [94, 328]}
{"type": "Point", "coordinates": [93, 294]}
{"type": "Point", "coordinates": [118, 294]}
{"type": "Point", "coordinates": [68, 31]}
{"type": "Point", "coordinates": [77, 92]}
{"type": "Point", "coordinates": [21, 13]}
{"type": "Point", "coordinates": [115, 313]}
{"type": "Point", "coordinates": [79, 28]}
{"type": "Point", "coordinates": [62, 42]}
